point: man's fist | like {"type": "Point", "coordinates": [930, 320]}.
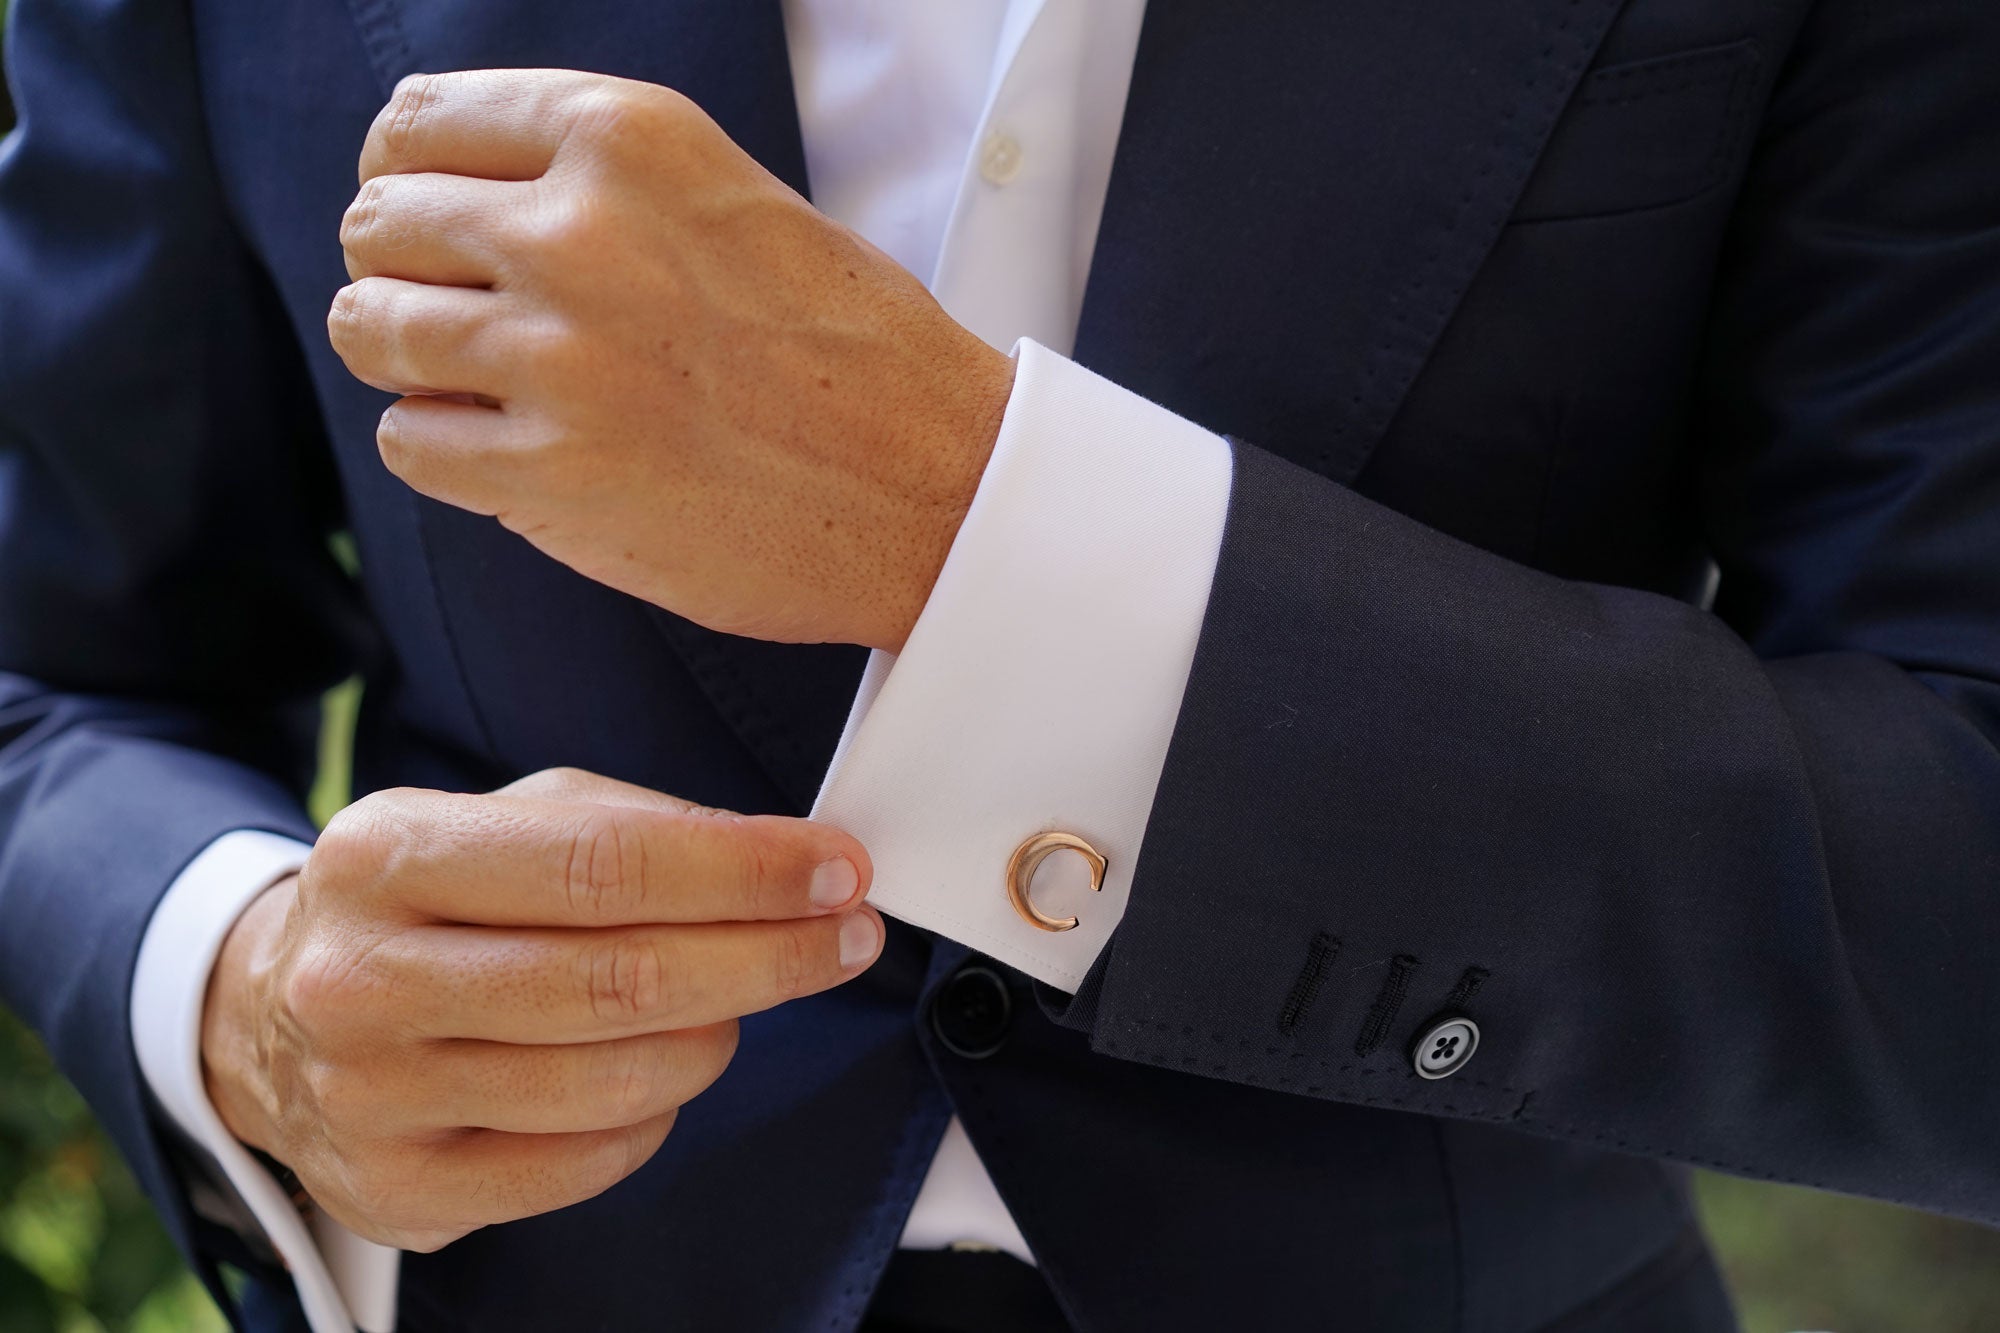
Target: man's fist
{"type": "Point", "coordinates": [645, 354]}
{"type": "Point", "coordinates": [470, 1009]}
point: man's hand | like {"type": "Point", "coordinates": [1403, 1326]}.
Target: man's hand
{"type": "Point", "coordinates": [645, 354]}
{"type": "Point", "coordinates": [470, 1009]}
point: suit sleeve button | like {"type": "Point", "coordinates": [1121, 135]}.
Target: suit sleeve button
{"type": "Point", "coordinates": [972, 1012]}
{"type": "Point", "coordinates": [1445, 1046]}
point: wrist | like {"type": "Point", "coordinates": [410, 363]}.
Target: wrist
{"type": "Point", "coordinates": [235, 1024]}
{"type": "Point", "coordinates": [966, 438]}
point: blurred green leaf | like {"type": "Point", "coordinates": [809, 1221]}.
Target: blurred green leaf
{"type": "Point", "coordinates": [1799, 1259]}
{"type": "Point", "coordinates": [26, 1303]}
{"type": "Point", "coordinates": [80, 1248]}
{"type": "Point", "coordinates": [334, 785]}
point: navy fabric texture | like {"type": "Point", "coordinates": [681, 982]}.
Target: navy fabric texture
{"type": "Point", "coordinates": [1528, 317]}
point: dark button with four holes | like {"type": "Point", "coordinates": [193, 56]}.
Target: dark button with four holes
{"type": "Point", "coordinates": [971, 1012]}
{"type": "Point", "coordinates": [1444, 1046]}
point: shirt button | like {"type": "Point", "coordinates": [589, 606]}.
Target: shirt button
{"type": "Point", "coordinates": [972, 1011]}
{"type": "Point", "coordinates": [1000, 158]}
{"type": "Point", "coordinates": [1445, 1046]}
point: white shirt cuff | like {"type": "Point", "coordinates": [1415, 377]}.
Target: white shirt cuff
{"type": "Point", "coordinates": [343, 1281]}
{"type": "Point", "coordinates": [1040, 686]}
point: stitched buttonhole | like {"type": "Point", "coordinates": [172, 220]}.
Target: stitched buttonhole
{"type": "Point", "coordinates": [1467, 987]}
{"type": "Point", "coordinates": [1388, 1000]}
{"type": "Point", "coordinates": [1320, 953]}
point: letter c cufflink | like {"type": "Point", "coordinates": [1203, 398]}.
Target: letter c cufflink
{"type": "Point", "coordinates": [1021, 875]}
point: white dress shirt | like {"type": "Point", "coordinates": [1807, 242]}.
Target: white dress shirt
{"type": "Point", "coordinates": [971, 140]}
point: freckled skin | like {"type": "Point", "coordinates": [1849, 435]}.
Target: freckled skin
{"type": "Point", "coordinates": [686, 361]}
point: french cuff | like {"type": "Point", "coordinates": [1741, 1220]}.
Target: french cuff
{"type": "Point", "coordinates": [343, 1282]}
{"type": "Point", "coordinates": [1039, 688]}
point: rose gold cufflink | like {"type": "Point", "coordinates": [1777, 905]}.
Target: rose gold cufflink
{"type": "Point", "coordinates": [1021, 874]}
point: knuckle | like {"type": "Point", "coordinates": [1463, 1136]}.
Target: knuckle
{"type": "Point", "coordinates": [377, 1189]}
{"type": "Point", "coordinates": [598, 1167]}
{"type": "Point", "coordinates": [359, 222]}
{"type": "Point", "coordinates": [624, 979]}
{"type": "Point", "coordinates": [557, 353]}
{"type": "Point", "coordinates": [659, 112]}
{"type": "Point", "coordinates": [399, 453]}
{"type": "Point", "coordinates": [631, 125]}
{"type": "Point", "coordinates": [604, 871]}
{"type": "Point", "coordinates": [758, 866]}
{"type": "Point", "coordinates": [659, 109]}
{"type": "Point", "coordinates": [617, 1156]}
{"type": "Point", "coordinates": [404, 1193]}
{"type": "Point", "coordinates": [794, 963]}
{"type": "Point", "coordinates": [565, 222]}
{"type": "Point", "coordinates": [633, 1083]}
{"type": "Point", "coordinates": [550, 782]}
{"type": "Point", "coordinates": [324, 991]}
{"type": "Point", "coordinates": [369, 324]}
{"type": "Point", "coordinates": [410, 107]}
{"type": "Point", "coordinates": [360, 845]}
{"type": "Point", "coordinates": [347, 316]}
{"type": "Point", "coordinates": [347, 838]}
{"type": "Point", "coordinates": [605, 112]}
{"type": "Point", "coordinates": [345, 1102]}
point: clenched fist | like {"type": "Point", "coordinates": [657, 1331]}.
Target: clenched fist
{"type": "Point", "coordinates": [633, 345]}
{"type": "Point", "coordinates": [470, 1009]}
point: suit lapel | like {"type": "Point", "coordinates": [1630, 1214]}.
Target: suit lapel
{"type": "Point", "coordinates": [1302, 193]}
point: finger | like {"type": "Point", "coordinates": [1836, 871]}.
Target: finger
{"type": "Point", "coordinates": [414, 338]}
{"type": "Point", "coordinates": [504, 1177]}
{"type": "Point", "coordinates": [547, 1089]}
{"type": "Point", "coordinates": [501, 860]}
{"type": "Point", "coordinates": [501, 124]}
{"type": "Point", "coordinates": [431, 228]}
{"type": "Point", "coordinates": [427, 1192]}
{"type": "Point", "coordinates": [540, 986]}
{"type": "Point", "coordinates": [464, 451]}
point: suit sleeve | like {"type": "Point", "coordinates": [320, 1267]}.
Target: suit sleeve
{"type": "Point", "coordinates": [1721, 887]}
{"type": "Point", "coordinates": [169, 608]}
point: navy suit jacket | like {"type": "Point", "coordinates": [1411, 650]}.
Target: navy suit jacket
{"type": "Point", "coordinates": [1531, 316]}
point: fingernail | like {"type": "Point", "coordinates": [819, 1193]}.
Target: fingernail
{"type": "Point", "coordinates": [859, 937]}
{"type": "Point", "coordinates": [834, 883]}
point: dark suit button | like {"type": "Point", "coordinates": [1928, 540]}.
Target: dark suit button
{"type": "Point", "coordinates": [971, 1012]}
{"type": "Point", "coordinates": [1445, 1046]}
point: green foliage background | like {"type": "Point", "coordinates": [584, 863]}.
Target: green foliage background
{"type": "Point", "coordinates": [80, 1251]}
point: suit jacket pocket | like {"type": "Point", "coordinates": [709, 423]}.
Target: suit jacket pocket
{"type": "Point", "coordinates": [1645, 133]}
